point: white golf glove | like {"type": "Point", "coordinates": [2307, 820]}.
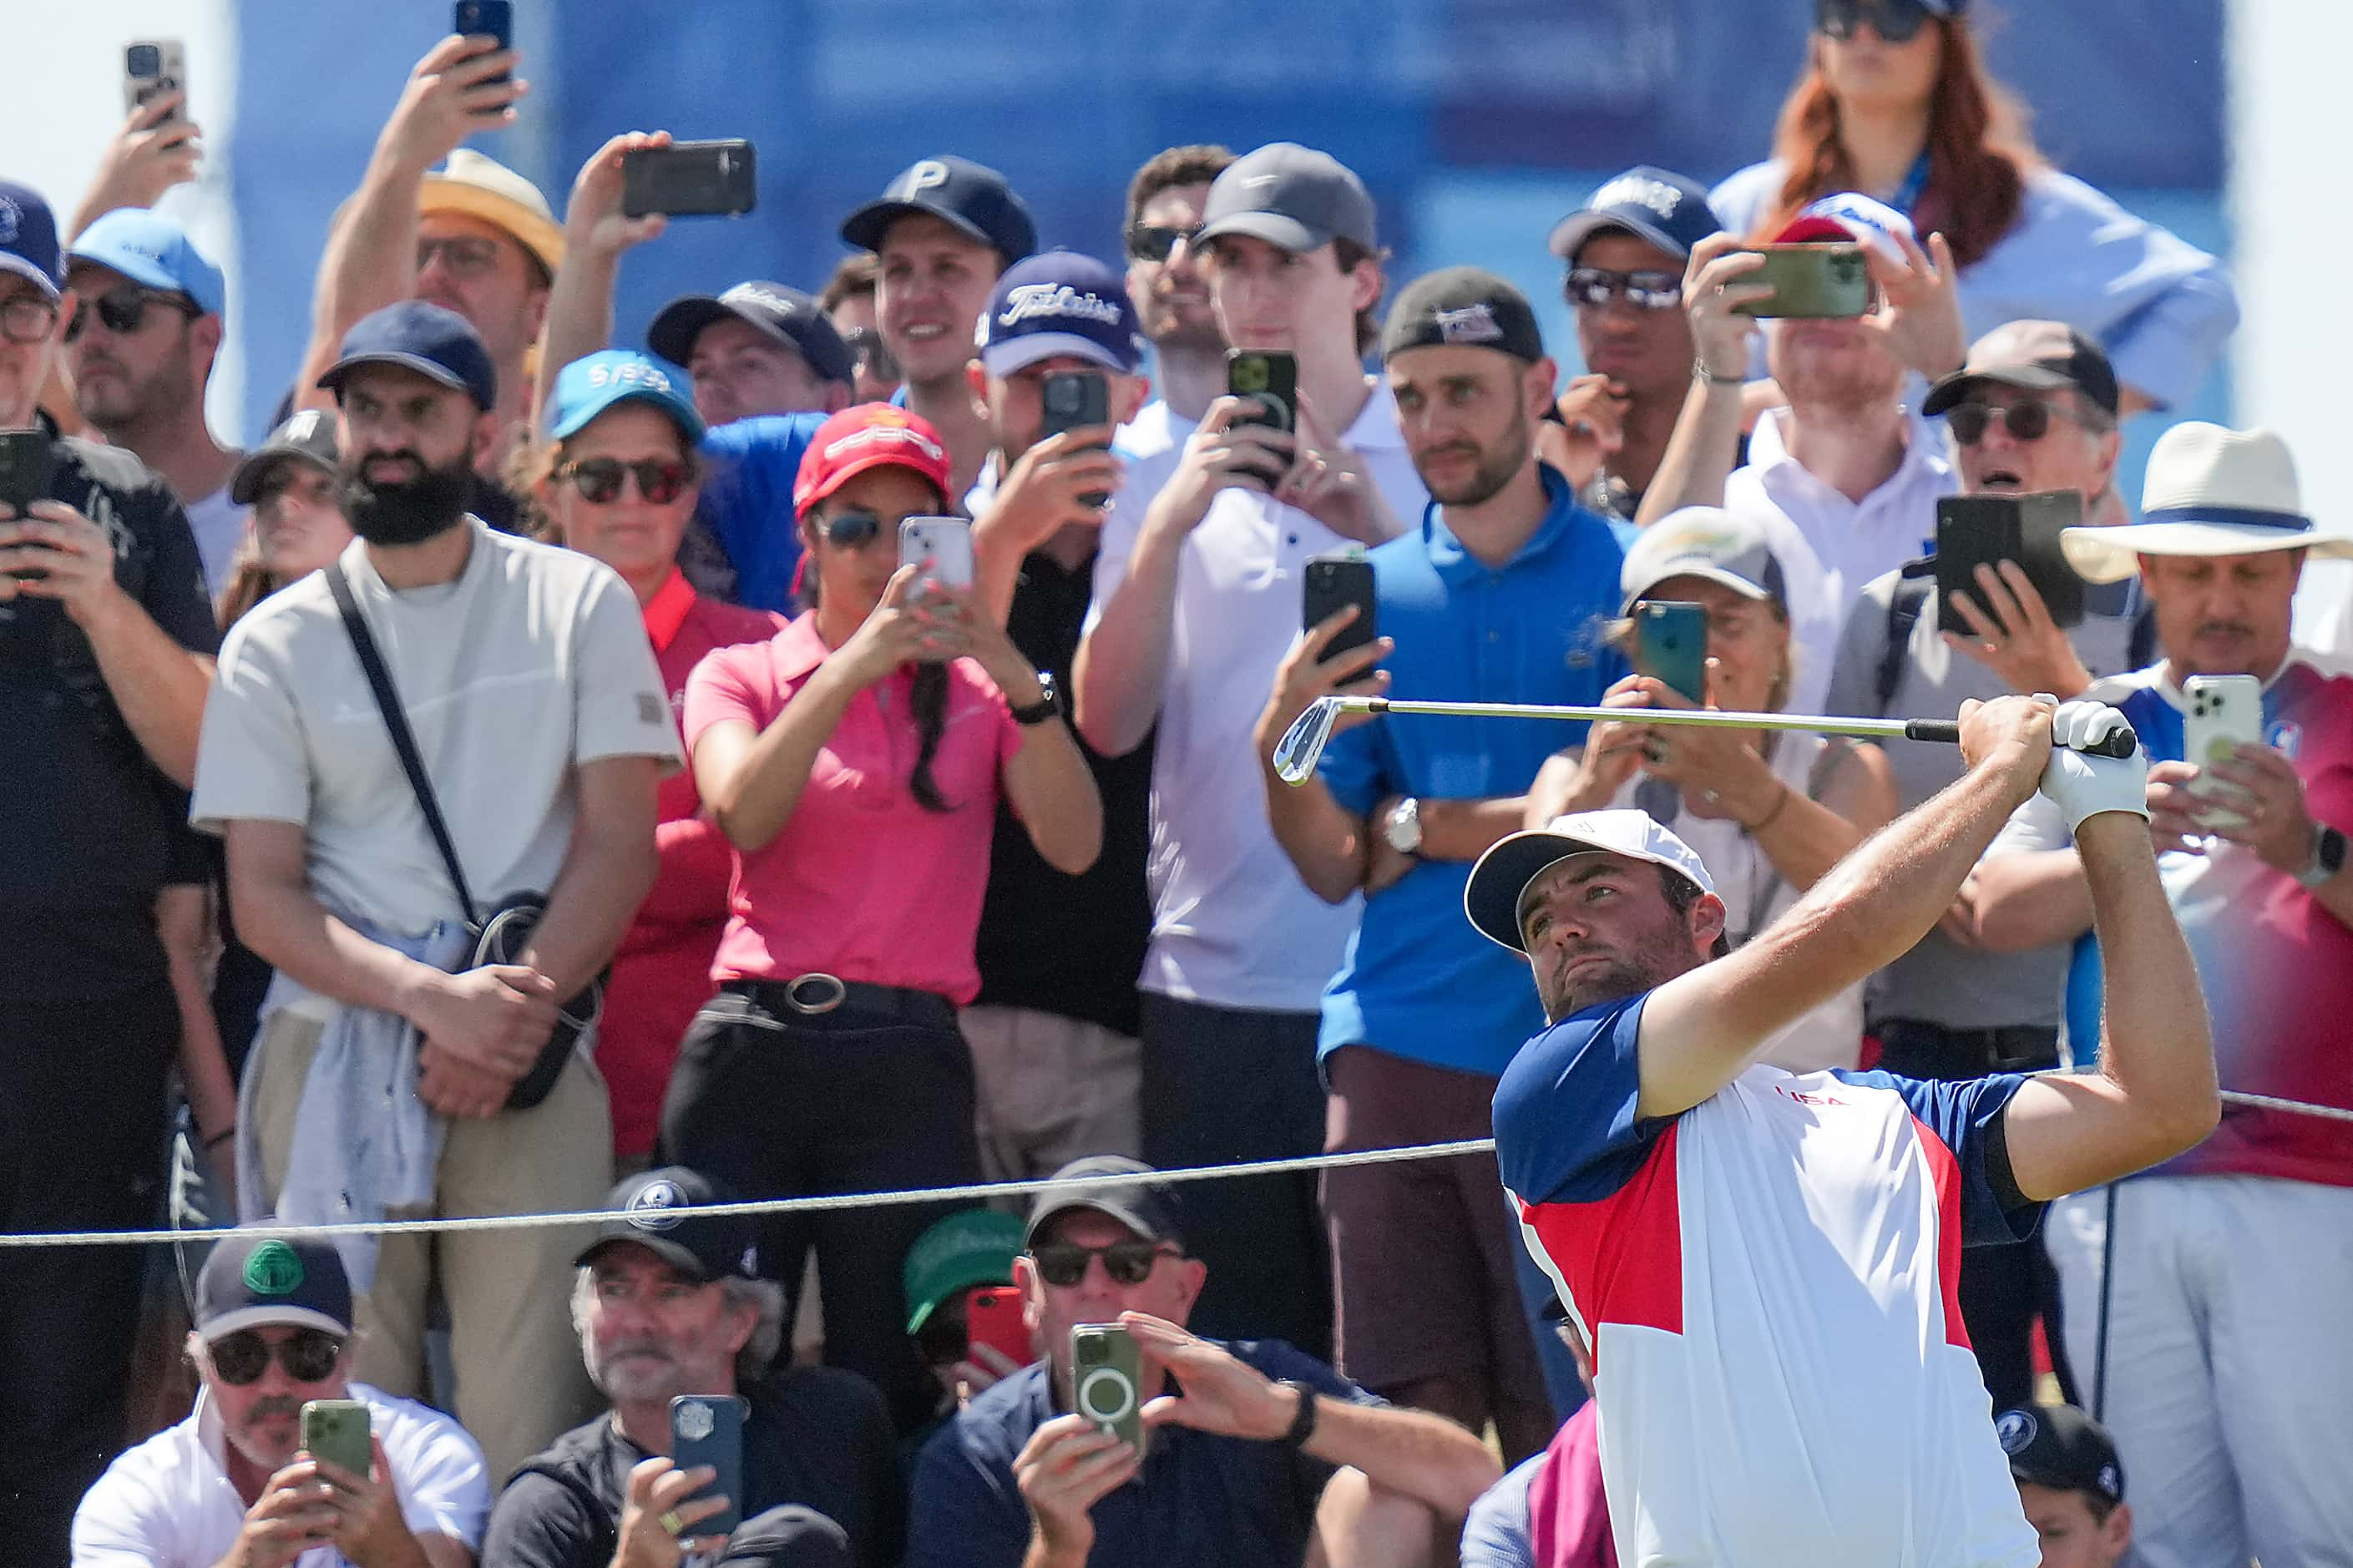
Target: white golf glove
{"type": "Point", "coordinates": [2084, 785]}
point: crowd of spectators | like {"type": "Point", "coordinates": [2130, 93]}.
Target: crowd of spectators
{"type": "Point", "coordinates": [535, 766]}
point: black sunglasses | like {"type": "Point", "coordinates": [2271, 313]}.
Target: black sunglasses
{"type": "Point", "coordinates": [660, 480]}
{"type": "Point", "coordinates": [1156, 241]}
{"type": "Point", "coordinates": [2027, 420]}
{"type": "Point", "coordinates": [851, 529]}
{"type": "Point", "coordinates": [309, 1356]}
{"type": "Point", "coordinates": [1064, 1263]}
{"type": "Point", "coordinates": [1893, 20]}
{"type": "Point", "coordinates": [123, 308]}
{"type": "Point", "coordinates": [1645, 291]}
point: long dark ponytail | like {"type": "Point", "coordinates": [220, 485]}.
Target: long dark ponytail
{"type": "Point", "coordinates": [928, 704]}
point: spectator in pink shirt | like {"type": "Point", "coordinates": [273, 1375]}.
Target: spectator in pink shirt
{"type": "Point", "coordinates": [856, 761]}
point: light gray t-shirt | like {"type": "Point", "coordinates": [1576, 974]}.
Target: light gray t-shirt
{"type": "Point", "coordinates": [1940, 982]}
{"type": "Point", "coordinates": [219, 524]}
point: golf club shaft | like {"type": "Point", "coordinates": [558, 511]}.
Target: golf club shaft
{"type": "Point", "coordinates": [1944, 730]}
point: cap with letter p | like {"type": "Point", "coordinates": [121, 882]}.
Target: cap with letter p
{"type": "Point", "coordinates": [1462, 307]}
{"type": "Point", "coordinates": [967, 196]}
{"type": "Point", "coordinates": [252, 1281]}
{"type": "Point", "coordinates": [1295, 199]}
{"type": "Point", "coordinates": [1059, 303]}
{"type": "Point", "coordinates": [1495, 897]}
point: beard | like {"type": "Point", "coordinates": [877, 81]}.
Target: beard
{"type": "Point", "coordinates": [1498, 467]}
{"type": "Point", "coordinates": [638, 1371]}
{"type": "Point", "coordinates": [404, 512]}
{"type": "Point", "coordinates": [1657, 961]}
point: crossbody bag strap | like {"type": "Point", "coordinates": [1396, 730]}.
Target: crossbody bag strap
{"type": "Point", "coordinates": [395, 720]}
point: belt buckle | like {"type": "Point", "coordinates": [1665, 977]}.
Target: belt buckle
{"type": "Point", "coordinates": [832, 991]}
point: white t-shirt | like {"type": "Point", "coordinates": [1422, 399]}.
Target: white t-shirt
{"type": "Point", "coordinates": [1150, 445]}
{"type": "Point", "coordinates": [1232, 925]}
{"type": "Point", "coordinates": [219, 526]}
{"type": "Point", "coordinates": [533, 661]}
{"type": "Point", "coordinates": [169, 1503]}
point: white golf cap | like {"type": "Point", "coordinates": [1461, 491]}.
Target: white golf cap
{"type": "Point", "coordinates": [1500, 881]}
{"type": "Point", "coordinates": [2210, 492]}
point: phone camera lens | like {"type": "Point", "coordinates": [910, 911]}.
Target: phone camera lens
{"type": "Point", "coordinates": [146, 59]}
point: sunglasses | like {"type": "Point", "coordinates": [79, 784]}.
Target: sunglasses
{"type": "Point", "coordinates": [1156, 241]}
{"type": "Point", "coordinates": [851, 529]}
{"type": "Point", "coordinates": [124, 309]}
{"type": "Point", "coordinates": [28, 319]}
{"type": "Point", "coordinates": [1646, 290]}
{"type": "Point", "coordinates": [1064, 1263]}
{"type": "Point", "coordinates": [2029, 420]}
{"type": "Point", "coordinates": [309, 1356]}
{"type": "Point", "coordinates": [660, 480]}
{"type": "Point", "coordinates": [1894, 20]}
{"type": "Point", "coordinates": [467, 256]}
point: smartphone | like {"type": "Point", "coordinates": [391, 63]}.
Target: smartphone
{"type": "Point", "coordinates": [336, 1430]}
{"type": "Point", "coordinates": [1106, 1375]}
{"type": "Point", "coordinates": [1981, 530]}
{"type": "Point", "coordinates": [1811, 281]}
{"type": "Point", "coordinates": [24, 467]}
{"type": "Point", "coordinates": [945, 542]}
{"type": "Point", "coordinates": [476, 19]}
{"type": "Point", "coordinates": [690, 179]}
{"type": "Point", "coordinates": [1333, 581]}
{"type": "Point", "coordinates": [1075, 399]}
{"type": "Point", "coordinates": [708, 1429]}
{"type": "Point", "coordinates": [1670, 645]}
{"type": "Point", "coordinates": [1270, 377]}
{"type": "Point", "coordinates": [2223, 711]}
{"type": "Point", "coordinates": [151, 68]}
{"type": "Point", "coordinates": [992, 1317]}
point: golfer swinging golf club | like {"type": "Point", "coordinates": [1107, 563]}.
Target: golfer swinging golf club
{"type": "Point", "coordinates": [1763, 1266]}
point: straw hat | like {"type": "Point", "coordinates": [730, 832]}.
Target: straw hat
{"type": "Point", "coordinates": [2210, 492]}
{"type": "Point", "coordinates": [483, 187]}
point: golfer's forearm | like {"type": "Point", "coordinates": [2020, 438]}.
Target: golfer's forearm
{"type": "Point", "coordinates": [1700, 452]}
{"type": "Point", "coordinates": [1123, 662]}
{"type": "Point", "coordinates": [2155, 1045]}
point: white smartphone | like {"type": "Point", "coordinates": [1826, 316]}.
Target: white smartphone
{"type": "Point", "coordinates": [152, 67]}
{"type": "Point", "coordinates": [2221, 712]}
{"type": "Point", "coordinates": [944, 542]}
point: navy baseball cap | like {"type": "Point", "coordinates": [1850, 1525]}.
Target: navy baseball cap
{"type": "Point", "coordinates": [29, 239]}
{"type": "Point", "coordinates": [1059, 303]}
{"type": "Point", "coordinates": [269, 1282]}
{"type": "Point", "coordinates": [307, 436]}
{"type": "Point", "coordinates": [154, 252]}
{"type": "Point", "coordinates": [787, 315]}
{"type": "Point", "coordinates": [436, 343]}
{"type": "Point", "coordinates": [1292, 197]}
{"type": "Point", "coordinates": [2059, 1446]}
{"type": "Point", "coordinates": [966, 195]}
{"type": "Point", "coordinates": [594, 382]}
{"type": "Point", "coordinates": [1665, 208]}
{"type": "Point", "coordinates": [703, 1246]}
{"type": "Point", "coordinates": [1462, 307]}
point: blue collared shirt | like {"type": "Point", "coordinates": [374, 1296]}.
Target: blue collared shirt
{"type": "Point", "coordinates": [1416, 981]}
{"type": "Point", "coordinates": [747, 502]}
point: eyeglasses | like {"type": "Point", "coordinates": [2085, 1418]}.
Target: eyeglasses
{"type": "Point", "coordinates": [28, 319]}
{"type": "Point", "coordinates": [853, 529]}
{"type": "Point", "coordinates": [467, 256]}
{"type": "Point", "coordinates": [1064, 1263]}
{"type": "Point", "coordinates": [1645, 291]}
{"type": "Point", "coordinates": [660, 480]}
{"type": "Point", "coordinates": [1156, 241]}
{"type": "Point", "coordinates": [309, 1356]}
{"type": "Point", "coordinates": [1893, 20]}
{"type": "Point", "coordinates": [2027, 421]}
{"type": "Point", "coordinates": [124, 309]}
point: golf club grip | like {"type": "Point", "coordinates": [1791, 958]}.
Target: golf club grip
{"type": "Point", "coordinates": [2118, 743]}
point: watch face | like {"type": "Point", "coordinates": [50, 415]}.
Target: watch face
{"type": "Point", "coordinates": [2329, 851]}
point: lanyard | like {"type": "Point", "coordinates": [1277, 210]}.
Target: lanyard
{"type": "Point", "coordinates": [1907, 194]}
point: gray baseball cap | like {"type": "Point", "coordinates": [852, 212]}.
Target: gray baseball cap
{"type": "Point", "coordinates": [1291, 196]}
{"type": "Point", "coordinates": [1709, 542]}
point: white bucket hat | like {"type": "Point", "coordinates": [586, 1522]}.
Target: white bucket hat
{"type": "Point", "coordinates": [2210, 492]}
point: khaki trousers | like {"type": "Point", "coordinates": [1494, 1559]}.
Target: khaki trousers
{"type": "Point", "coordinates": [516, 1357]}
{"type": "Point", "coordinates": [1051, 1089]}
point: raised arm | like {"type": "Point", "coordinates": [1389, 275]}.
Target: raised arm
{"type": "Point", "coordinates": [580, 299]}
{"type": "Point", "coordinates": [1047, 780]}
{"type": "Point", "coordinates": [1327, 842]}
{"type": "Point", "coordinates": [1706, 441]}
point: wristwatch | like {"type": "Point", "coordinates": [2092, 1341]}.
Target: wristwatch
{"type": "Point", "coordinates": [1048, 706]}
{"type": "Point", "coordinates": [1402, 827]}
{"type": "Point", "coordinates": [2328, 855]}
{"type": "Point", "coordinates": [1302, 1424]}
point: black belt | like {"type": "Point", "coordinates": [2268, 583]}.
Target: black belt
{"type": "Point", "coordinates": [1917, 1048]}
{"type": "Point", "coordinates": [814, 996]}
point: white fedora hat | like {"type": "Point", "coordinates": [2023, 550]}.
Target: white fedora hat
{"type": "Point", "coordinates": [2210, 492]}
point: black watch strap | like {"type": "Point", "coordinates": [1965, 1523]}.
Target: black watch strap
{"type": "Point", "coordinates": [1048, 706]}
{"type": "Point", "coordinates": [1302, 1424]}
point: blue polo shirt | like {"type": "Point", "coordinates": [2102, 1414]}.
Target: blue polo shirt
{"type": "Point", "coordinates": [1416, 981]}
{"type": "Point", "coordinates": [747, 502]}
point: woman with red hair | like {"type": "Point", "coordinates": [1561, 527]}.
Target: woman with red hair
{"type": "Point", "coordinates": [1896, 101]}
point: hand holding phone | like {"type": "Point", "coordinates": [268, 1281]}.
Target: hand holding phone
{"type": "Point", "coordinates": [708, 1429]}
{"type": "Point", "coordinates": [941, 546]}
{"type": "Point", "coordinates": [492, 19]}
{"type": "Point", "coordinates": [1671, 645]}
{"type": "Point", "coordinates": [1331, 583]}
{"type": "Point", "coordinates": [2223, 712]}
{"type": "Point", "coordinates": [1811, 281]}
{"type": "Point", "coordinates": [1107, 1378]}
{"type": "Point", "coordinates": [152, 68]}
{"type": "Point", "coordinates": [1076, 400]}
{"type": "Point", "coordinates": [1270, 379]}
{"type": "Point", "coordinates": [993, 1321]}
{"type": "Point", "coordinates": [690, 179]}
{"type": "Point", "coordinates": [336, 1431]}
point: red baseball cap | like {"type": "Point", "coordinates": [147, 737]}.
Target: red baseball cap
{"type": "Point", "coordinates": [869, 436]}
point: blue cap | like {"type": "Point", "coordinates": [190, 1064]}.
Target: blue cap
{"type": "Point", "coordinates": [1665, 208]}
{"type": "Point", "coordinates": [29, 239]}
{"type": "Point", "coordinates": [588, 386]}
{"type": "Point", "coordinates": [433, 341]}
{"type": "Point", "coordinates": [965, 194]}
{"type": "Point", "coordinates": [1059, 303]}
{"type": "Point", "coordinates": [153, 250]}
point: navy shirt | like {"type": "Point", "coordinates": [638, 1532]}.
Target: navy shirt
{"type": "Point", "coordinates": [1416, 981]}
{"type": "Point", "coordinates": [1202, 1500]}
{"type": "Point", "coordinates": [747, 502]}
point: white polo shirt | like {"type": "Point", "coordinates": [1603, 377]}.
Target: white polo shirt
{"type": "Point", "coordinates": [1232, 925]}
{"type": "Point", "coordinates": [169, 1503]}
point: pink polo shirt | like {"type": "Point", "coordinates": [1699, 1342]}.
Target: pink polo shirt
{"type": "Point", "coordinates": [863, 883]}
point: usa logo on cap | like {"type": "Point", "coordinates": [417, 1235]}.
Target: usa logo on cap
{"type": "Point", "coordinates": [655, 1207]}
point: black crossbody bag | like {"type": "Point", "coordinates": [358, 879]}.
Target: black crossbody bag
{"type": "Point", "coordinates": [500, 935]}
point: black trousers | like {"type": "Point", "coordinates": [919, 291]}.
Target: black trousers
{"type": "Point", "coordinates": [81, 1134]}
{"type": "Point", "coordinates": [1220, 1086]}
{"type": "Point", "coordinates": [775, 1104]}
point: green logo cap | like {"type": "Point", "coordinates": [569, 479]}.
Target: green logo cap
{"type": "Point", "coordinates": [273, 1269]}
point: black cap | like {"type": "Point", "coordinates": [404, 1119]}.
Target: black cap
{"type": "Point", "coordinates": [1668, 209]}
{"type": "Point", "coordinates": [1462, 307]}
{"type": "Point", "coordinates": [1148, 1208]}
{"type": "Point", "coordinates": [2059, 1446]}
{"type": "Point", "coordinates": [789, 1536]}
{"type": "Point", "coordinates": [308, 436]}
{"type": "Point", "coordinates": [707, 1246]}
{"type": "Point", "coordinates": [2034, 356]}
{"type": "Point", "coordinates": [1295, 199]}
{"type": "Point", "coordinates": [437, 343]}
{"type": "Point", "coordinates": [970, 196]}
{"type": "Point", "coordinates": [790, 316]}
{"type": "Point", "coordinates": [268, 1281]}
